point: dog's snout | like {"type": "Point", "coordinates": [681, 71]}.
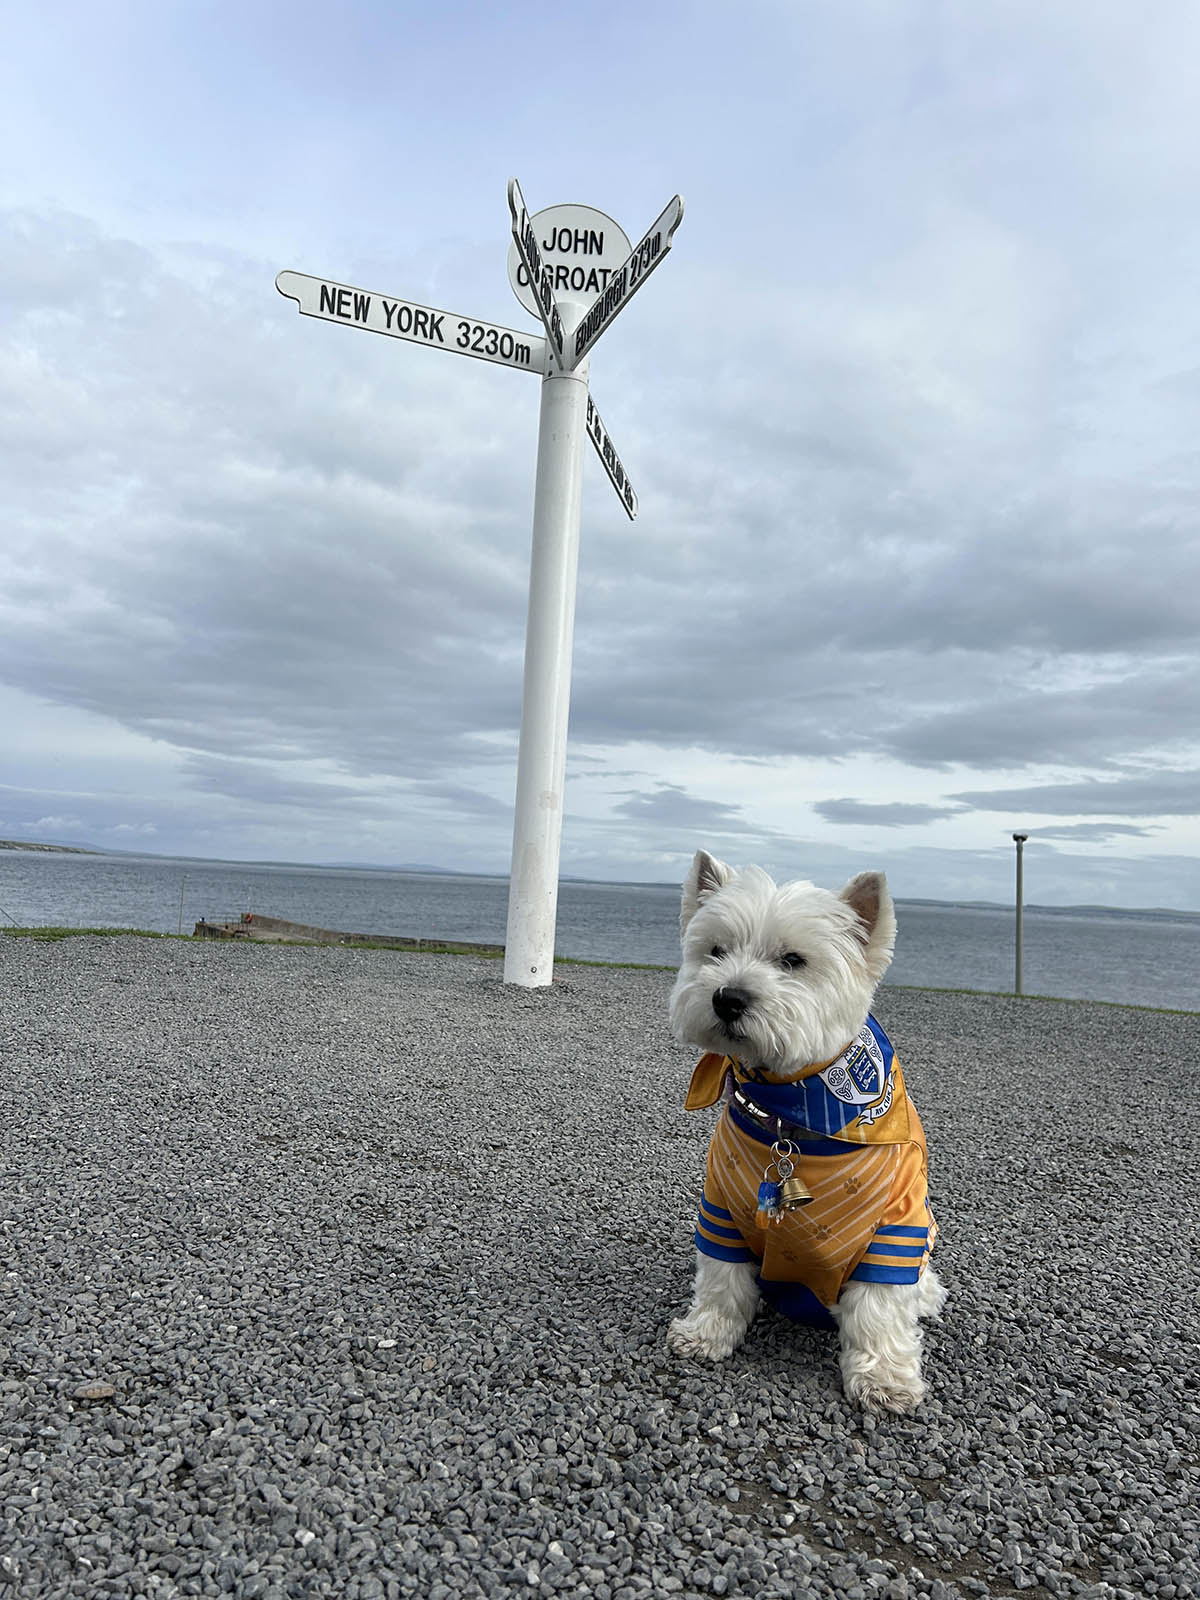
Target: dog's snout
{"type": "Point", "coordinates": [729, 1002]}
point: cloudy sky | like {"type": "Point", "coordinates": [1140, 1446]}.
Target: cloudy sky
{"type": "Point", "coordinates": [912, 410]}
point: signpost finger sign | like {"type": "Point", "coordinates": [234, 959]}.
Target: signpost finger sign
{"type": "Point", "coordinates": [649, 252]}
{"type": "Point", "coordinates": [574, 268]}
{"type": "Point", "coordinates": [540, 277]}
{"type": "Point", "coordinates": [401, 319]}
{"type": "Point", "coordinates": [617, 475]}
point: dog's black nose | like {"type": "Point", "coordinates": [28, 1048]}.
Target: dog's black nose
{"type": "Point", "coordinates": [729, 1002]}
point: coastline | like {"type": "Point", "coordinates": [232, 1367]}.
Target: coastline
{"type": "Point", "coordinates": [49, 849]}
{"type": "Point", "coordinates": [375, 1256]}
{"type": "Point", "coordinates": [494, 953]}
{"type": "Point", "coordinates": [1127, 957]}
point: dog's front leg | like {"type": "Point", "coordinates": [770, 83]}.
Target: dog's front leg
{"type": "Point", "coordinates": [881, 1341]}
{"type": "Point", "coordinates": [724, 1300]}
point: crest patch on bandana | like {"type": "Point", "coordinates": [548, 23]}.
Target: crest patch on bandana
{"type": "Point", "coordinates": [857, 1077]}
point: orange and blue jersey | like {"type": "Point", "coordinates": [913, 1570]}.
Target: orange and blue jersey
{"type": "Point", "coordinates": [860, 1150]}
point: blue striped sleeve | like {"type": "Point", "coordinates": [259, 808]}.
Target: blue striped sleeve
{"type": "Point", "coordinates": [716, 1235]}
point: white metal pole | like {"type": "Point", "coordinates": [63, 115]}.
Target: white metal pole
{"type": "Point", "coordinates": [541, 760]}
{"type": "Point", "coordinates": [1019, 839]}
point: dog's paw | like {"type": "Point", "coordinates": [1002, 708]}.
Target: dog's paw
{"type": "Point", "coordinates": [881, 1391]}
{"type": "Point", "coordinates": [704, 1334]}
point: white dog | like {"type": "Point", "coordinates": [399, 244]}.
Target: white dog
{"type": "Point", "coordinates": [815, 1188]}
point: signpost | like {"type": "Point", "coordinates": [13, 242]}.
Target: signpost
{"type": "Point", "coordinates": [574, 269]}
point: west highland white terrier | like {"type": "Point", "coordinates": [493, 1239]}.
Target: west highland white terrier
{"type": "Point", "coordinates": [815, 1192]}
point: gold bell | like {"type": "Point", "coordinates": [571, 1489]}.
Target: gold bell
{"type": "Point", "coordinates": [793, 1193]}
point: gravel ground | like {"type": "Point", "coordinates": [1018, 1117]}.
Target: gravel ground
{"type": "Point", "coordinates": [346, 1273]}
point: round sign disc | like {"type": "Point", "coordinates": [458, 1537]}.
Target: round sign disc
{"type": "Point", "coordinates": [582, 249]}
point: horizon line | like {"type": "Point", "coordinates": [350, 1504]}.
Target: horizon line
{"type": "Point", "coordinates": [429, 870]}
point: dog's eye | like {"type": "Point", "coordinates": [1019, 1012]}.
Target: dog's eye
{"type": "Point", "coordinates": [793, 961]}
{"type": "Point", "coordinates": [717, 951]}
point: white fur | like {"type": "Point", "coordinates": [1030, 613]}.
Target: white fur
{"type": "Point", "coordinates": [736, 928]}
{"type": "Point", "coordinates": [724, 1300]}
{"type": "Point", "coordinates": [880, 1335]}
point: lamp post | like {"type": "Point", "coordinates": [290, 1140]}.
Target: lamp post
{"type": "Point", "coordinates": [1019, 839]}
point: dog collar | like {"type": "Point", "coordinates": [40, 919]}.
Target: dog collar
{"type": "Point", "coordinates": [712, 1070]}
{"type": "Point", "coordinates": [858, 1096]}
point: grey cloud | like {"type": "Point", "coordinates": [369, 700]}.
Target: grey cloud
{"type": "Point", "coordinates": [1134, 706]}
{"type": "Point", "coordinates": [231, 545]}
{"type": "Point", "coordinates": [300, 555]}
{"type": "Point", "coordinates": [258, 783]}
{"type": "Point", "coordinates": [657, 831]}
{"type": "Point", "coordinates": [840, 566]}
{"type": "Point", "coordinates": [1091, 832]}
{"type": "Point", "coordinates": [672, 806]}
{"type": "Point", "coordinates": [895, 814]}
{"type": "Point", "coordinates": [461, 800]}
{"type": "Point", "coordinates": [1149, 794]}
{"type": "Point", "coordinates": [740, 687]}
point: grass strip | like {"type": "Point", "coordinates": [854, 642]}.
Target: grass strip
{"type": "Point", "coordinates": [47, 934]}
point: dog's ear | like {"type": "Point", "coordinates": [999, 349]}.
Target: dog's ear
{"type": "Point", "coordinates": [706, 875]}
{"type": "Point", "coordinates": [867, 896]}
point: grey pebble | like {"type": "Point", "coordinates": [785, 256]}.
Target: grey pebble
{"type": "Point", "coordinates": [346, 1273]}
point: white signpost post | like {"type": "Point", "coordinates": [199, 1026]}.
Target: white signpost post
{"type": "Point", "coordinates": [574, 268]}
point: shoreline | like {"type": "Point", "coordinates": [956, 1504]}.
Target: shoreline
{"type": "Point", "coordinates": [49, 849]}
